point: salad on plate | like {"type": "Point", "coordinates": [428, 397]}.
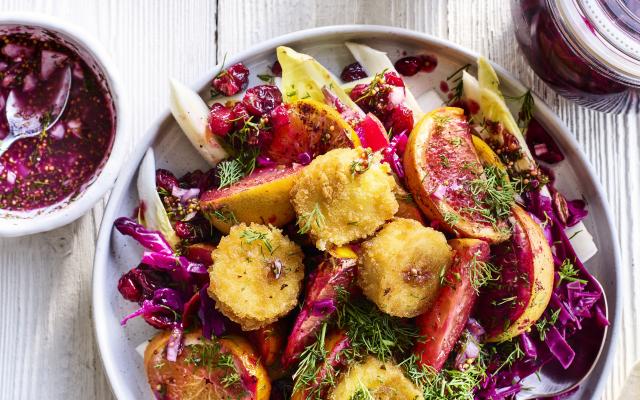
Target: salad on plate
{"type": "Point", "coordinates": [352, 241]}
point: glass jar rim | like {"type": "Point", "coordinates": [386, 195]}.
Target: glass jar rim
{"type": "Point", "coordinates": [592, 33]}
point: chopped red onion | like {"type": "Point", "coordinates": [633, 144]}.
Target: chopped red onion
{"type": "Point", "coordinates": [49, 61]}
{"type": "Point", "coordinates": [30, 82]}
{"type": "Point", "coordinates": [16, 51]}
{"type": "Point", "coordinates": [57, 132]}
{"type": "Point", "coordinates": [11, 177]}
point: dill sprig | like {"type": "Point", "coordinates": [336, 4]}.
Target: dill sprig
{"type": "Point", "coordinates": [456, 79]}
{"type": "Point", "coordinates": [450, 218]}
{"type": "Point", "coordinates": [362, 163]}
{"type": "Point", "coordinates": [449, 384]}
{"type": "Point", "coordinates": [209, 355]}
{"type": "Point", "coordinates": [569, 273]}
{"type": "Point", "coordinates": [226, 216]}
{"type": "Point", "coordinates": [362, 393]}
{"type": "Point", "coordinates": [482, 273]}
{"type": "Point", "coordinates": [268, 78]}
{"type": "Point", "coordinates": [371, 331]}
{"type": "Point", "coordinates": [544, 324]}
{"type": "Point", "coordinates": [372, 89]}
{"type": "Point", "coordinates": [493, 194]}
{"type": "Point", "coordinates": [229, 172]}
{"type": "Point", "coordinates": [249, 236]}
{"type": "Point", "coordinates": [526, 109]}
{"type": "Point", "coordinates": [312, 360]}
{"type": "Point", "coordinates": [307, 220]}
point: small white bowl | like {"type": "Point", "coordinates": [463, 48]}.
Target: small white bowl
{"type": "Point", "coordinates": [92, 52]}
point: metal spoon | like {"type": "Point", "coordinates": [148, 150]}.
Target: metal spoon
{"type": "Point", "coordinates": [25, 123]}
{"type": "Point", "coordinates": [553, 379]}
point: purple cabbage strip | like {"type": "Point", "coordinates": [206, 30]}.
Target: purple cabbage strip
{"type": "Point", "coordinates": [212, 320]}
{"type": "Point", "coordinates": [151, 240]}
{"type": "Point", "coordinates": [392, 154]}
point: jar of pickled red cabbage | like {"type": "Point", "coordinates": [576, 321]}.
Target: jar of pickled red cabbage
{"type": "Point", "coordinates": [586, 50]}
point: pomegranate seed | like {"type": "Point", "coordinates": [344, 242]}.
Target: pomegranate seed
{"type": "Point", "coordinates": [429, 62]}
{"type": "Point", "coordinates": [166, 180]}
{"type": "Point", "coordinates": [260, 100]}
{"type": "Point", "coordinates": [399, 120]}
{"type": "Point", "coordinates": [183, 230]}
{"type": "Point", "coordinates": [220, 119]}
{"type": "Point", "coordinates": [393, 79]}
{"type": "Point", "coordinates": [276, 69]}
{"type": "Point", "coordinates": [353, 72]}
{"type": "Point", "coordinates": [232, 80]}
{"type": "Point", "coordinates": [408, 66]}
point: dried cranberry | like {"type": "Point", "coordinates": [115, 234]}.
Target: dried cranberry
{"type": "Point", "coordinates": [220, 119]}
{"type": "Point", "coordinates": [353, 72]}
{"type": "Point", "coordinates": [408, 66]}
{"type": "Point", "coordinates": [163, 319]}
{"type": "Point", "coordinates": [429, 62]}
{"type": "Point", "coordinates": [399, 120]}
{"type": "Point", "coordinates": [129, 287]}
{"type": "Point", "coordinates": [260, 100]}
{"type": "Point", "coordinates": [276, 68]}
{"type": "Point", "coordinates": [393, 79]}
{"type": "Point", "coordinates": [358, 91]}
{"type": "Point", "coordinates": [240, 115]}
{"type": "Point", "coordinates": [232, 80]}
{"type": "Point", "coordinates": [166, 180]}
{"type": "Point", "coordinates": [183, 230]}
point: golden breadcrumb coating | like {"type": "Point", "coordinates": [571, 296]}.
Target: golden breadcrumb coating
{"type": "Point", "coordinates": [344, 195]}
{"type": "Point", "coordinates": [400, 267]}
{"type": "Point", "coordinates": [256, 275]}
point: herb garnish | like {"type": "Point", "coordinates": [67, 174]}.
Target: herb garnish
{"type": "Point", "coordinates": [266, 78]}
{"type": "Point", "coordinates": [362, 163]}
{"type": "Point", "coordinates": [226, 216]}
{"type": "Point", "coordinates": [456, 79]}
{"type": "Point", "coordinates": [307, 220]}
{"type": "Point", "coordinates": [249, 236]}
{"type": "Point", "coordinates": [569, 273]}
{"type": "Point", "coordinates": [543, 324]}
{"type": "Point", "coordinates": [229, 172]}
{"type": "Point", "coordinates": [493, 194]}
{"type": "Point", "coordinates": [482, 273]}
{"type": "Point", "coordinates": [208, 354]}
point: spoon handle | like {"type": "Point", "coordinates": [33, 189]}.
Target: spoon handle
{"type": "Point", "coordinates": [6, 143]}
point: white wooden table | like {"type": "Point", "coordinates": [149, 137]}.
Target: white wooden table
{"type": "Point", "coordinates": [47, 347]}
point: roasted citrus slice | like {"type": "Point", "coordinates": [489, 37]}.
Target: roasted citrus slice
{"type": "Point", "coordinates": [442, 325]}
{"type": "Point", "coordinates": [511, 305]}
{"type": "Point", "coordinates": [444, 174]}
{"type": "Point", "coordinates": [307, 127]}
{"type": "Point", "coordinates": [214, 369]}
{"type": "Point", "coordinates": [262, 197]}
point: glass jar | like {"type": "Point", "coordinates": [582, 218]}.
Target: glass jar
{"type": "Point", "coordinates": [586, 50]}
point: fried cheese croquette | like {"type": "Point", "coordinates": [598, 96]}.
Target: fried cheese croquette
{"type": "Point", "coordinates": [374, 379]}
{"type": "Point", "coordinates": [343, 195]}
{"type": "Point", "coordinates": [256, 275]}
{"type": "Point", "coordinates": [400, 267]}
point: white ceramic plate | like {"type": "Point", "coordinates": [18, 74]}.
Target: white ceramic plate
{"type": "Point", "coordinates": [115, 254]}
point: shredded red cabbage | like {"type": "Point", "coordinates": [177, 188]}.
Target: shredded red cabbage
{"type": "Point", "coordinates": [392, 154]}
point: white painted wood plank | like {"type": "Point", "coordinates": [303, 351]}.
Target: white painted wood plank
{"type": "Point", "coordinates": [46, 340]}
{"type": "Point", "coordinates": [47, 347]}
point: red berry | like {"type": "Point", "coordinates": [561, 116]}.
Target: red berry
{"type": "Point", "coordinates": [276, 69]}
{"type": "Point", "coordinates": [239, 115]}
{"type": "Point", "coordinates": [399, 120]}
{"type": "Point", "coordinates": [358, 91]}
{"type": "Point", "coordinates": [220, 119]}
{"type": "Point", "coordinates": [128, 286]}
{"type": "Point", "coordinates": [393, 79]}
{"type": "Point", "coordinates": [232, 80]}
{"type": "Point", "coordinates": [183, 230]}
{"type": "Point", "coordinates": [166, 180]}
{"type": "Point", "coordinates": [260, 100]}
{"type": "Point", "coordinates": [408, 66]}
{"type": "Point", "coordinates": [353, 72]}
{"type": "Point", "coordinates": [429, 62]}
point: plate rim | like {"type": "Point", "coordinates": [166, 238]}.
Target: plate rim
{"type": "Point", "coordinates": [103, 244]}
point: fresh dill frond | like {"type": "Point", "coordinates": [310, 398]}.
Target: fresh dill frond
{"type": "Point", "coordinates": [311, 361]}
{"type": "Point", "coordinates": [544, 324]}
{"type": "Point", "coordinates": [266, 78]}
{"type": "Point", "coordinates": [493, 194]}
{"type": "Point", "coordinates": [249, 236]}
{"type": "Point", "coordinates": [450, 218]}
{"type": "Point", "coordinates": [229, 172]}
{"type": "Point", "coordinates": [371, 331]}
{"type": "Point", "coordinates": [526, 109]}
{"type": "Point", "coordinates": [362, 393]}
{"type": "Point", "coordinates": [456, 80]}
{"type": "Point", "coordinates": [226, 216]}
{"type": "Point", "coordinates": [569, 273]}
{"type": "Point", "coordinates": [444, 161]}
{"type": "Point", "coordinates": [372, 89]}
{"type": "Point", "coordinates": [482, 273]}
{"type": "Point", "coordinates": [307, 220]}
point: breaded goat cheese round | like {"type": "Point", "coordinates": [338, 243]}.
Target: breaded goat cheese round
{"type": "Point", "coordinates": [374, 379]}
{"type": "Point", "coordinates": [256, 275]}
{"type": "Point", "coordinates": [343, 195]}
{"type": "Point", "coordinates": [400, 267]}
